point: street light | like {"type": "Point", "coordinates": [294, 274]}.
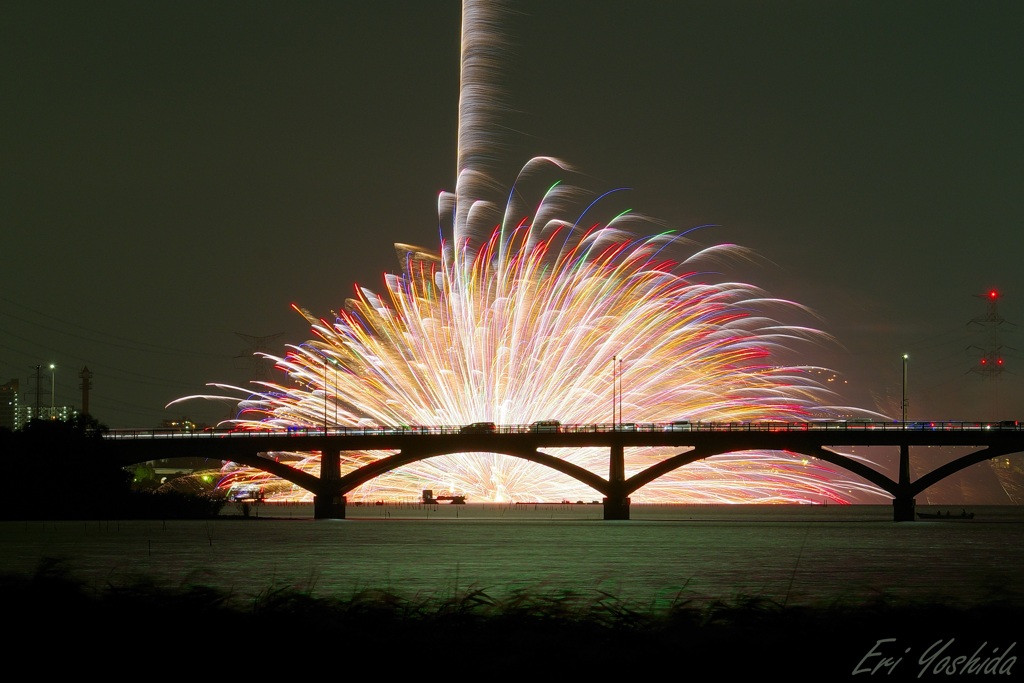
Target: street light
{"type": "Point", "coordinates": [53, 387]}
{"type": "Point", "coordinates": [620, 391]}
{"type": "Point", "coordinates": [905, 356]}
{"type": "Point", "coordinates": [614, 391]}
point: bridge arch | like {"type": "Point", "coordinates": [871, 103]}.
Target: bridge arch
{"type": "Point", "coordinates": [671, 463]}
{"type": "Point", "coordinates": [961, 463]}
{"type": "Point", "coordinates": [356, 478]}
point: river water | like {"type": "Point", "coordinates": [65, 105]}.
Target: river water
{"type": "Point", "coordinates": [807, 555]}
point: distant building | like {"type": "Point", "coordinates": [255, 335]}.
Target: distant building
{"type": "Point", "coordinates": [26, 413]}
{"type": "Point", "coordinates": [14, 414]}
{"type": "Point", "coordinates": [9, 413]}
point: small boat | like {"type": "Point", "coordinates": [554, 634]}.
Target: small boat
{"type": "Point", "coordinates": [945, 515]}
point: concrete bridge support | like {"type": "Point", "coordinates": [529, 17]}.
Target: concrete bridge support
{"type": "Point", "coordinates": [329, 507]}
{"type": "Point", "coordinates": [616, 507]}
{"type": "Point", "coordinates": [903, 509]}
{"type": "Point", "coordinates": [903, 505]}
{"type": "Point", "coordinates": [616, 504]}
{"type": "Point", "coordinates": [328, 503]}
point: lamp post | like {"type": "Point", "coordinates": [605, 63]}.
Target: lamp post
{"type": "Point", "coordinates": [614, 389]}
{"type": "Point", "coordinates": [905, 356]}
{"type": "Point", "coordinates": [620, 391]}
{"type": "Point", "coordinates": [53, 387]}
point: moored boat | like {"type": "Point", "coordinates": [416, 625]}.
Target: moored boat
{"type": "Point", "coordinates": [945, 515]}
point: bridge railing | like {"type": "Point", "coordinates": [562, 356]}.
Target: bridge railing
{"type": "Point", "coordinates": [549, 427]}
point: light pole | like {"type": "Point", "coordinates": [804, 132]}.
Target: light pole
{"type": "Point", "coordinates": [614, 397]}
{"type": "Point", "coordinates": [53, 387]}
{"type": "Point", "coordinates": [620, 391]}
{"type": "Point", "coordinates": [905, 356]}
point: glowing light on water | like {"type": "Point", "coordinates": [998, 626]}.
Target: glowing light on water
{"type": "Point", "coordinates": [526, 313]}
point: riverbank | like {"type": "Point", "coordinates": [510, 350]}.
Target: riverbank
{"type": "Point", "coordinates": [797, 590]}
{"type": "Point", "coordinates": [136, 623]}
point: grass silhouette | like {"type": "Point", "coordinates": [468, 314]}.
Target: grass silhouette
{"type": "Point", "coordinates": [539, 633]}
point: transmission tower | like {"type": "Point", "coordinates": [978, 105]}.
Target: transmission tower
{"type": "Point", "coordinates": [251, 359]}
{"type": "Point", "coordinates": [990, 364]}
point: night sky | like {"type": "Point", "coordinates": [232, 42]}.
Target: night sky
{"type": "Point", "coordinates": [176, 175]}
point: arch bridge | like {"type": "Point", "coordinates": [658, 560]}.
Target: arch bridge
{"type": "Point", "coordinates": [694, 441]}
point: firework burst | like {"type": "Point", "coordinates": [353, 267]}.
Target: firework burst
{"type": "Point", "coordinates": [535, 311]}
{"type": "Point", "coordinates": [534, 321]}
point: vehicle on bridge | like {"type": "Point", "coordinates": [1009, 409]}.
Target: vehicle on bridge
{"type": "Point", "coordinates": [546, 426]}
{"type": "Point", "coordinates": [479, 428]}
{"type": "Point", "coordinates": [678, 426]}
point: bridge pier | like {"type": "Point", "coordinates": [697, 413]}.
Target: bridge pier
{"type": "Point", "coordinates": [903, 504]}
{"type": "Point", "coordinates": [329, 507]}
{"type": "Point", "coordinates": [616, 507]}
{"type": "Point", "coordinates": [332, 504]}
{"type": "Point", "coordinates": [903, 509]}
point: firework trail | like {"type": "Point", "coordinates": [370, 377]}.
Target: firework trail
{"type": "Point", "coordinates": [528, 312]}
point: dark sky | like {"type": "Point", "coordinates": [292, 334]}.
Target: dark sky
{"type": "Point", "coordinates": [176, 175]}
